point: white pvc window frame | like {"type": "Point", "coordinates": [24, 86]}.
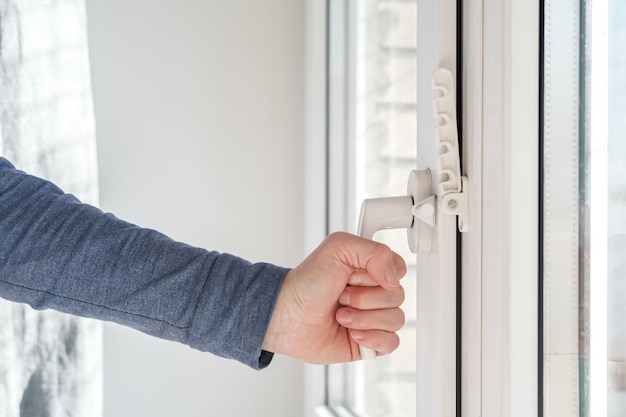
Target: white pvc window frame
{"type": "Point", "coordinates": [599, 198]}
{"type": "Point", "coordinates": [500, 265]}
{"type": "Point", "coordinates": [500, 254]}
{"type": "Point", "coordinates": [438, 34]}
{"type": "Point", "coordinates": [316, 176]}
{"type": "Point", "coordinates": [437, 272]}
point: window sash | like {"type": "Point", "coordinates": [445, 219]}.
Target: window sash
{"type": "Point", "coordinates": [500, 61]}
{"type": "Point", "coordinates": [500, 254]}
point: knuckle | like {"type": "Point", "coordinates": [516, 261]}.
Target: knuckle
{"type": "Point", "coordinates": [333, 237]}
{"type": "Point", "coordinates": [337, 235]}
{"type": "Point", "coordinates": [383, 249]}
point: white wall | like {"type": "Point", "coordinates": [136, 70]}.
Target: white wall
{"type": "Point", "coordinates": [199, 111]}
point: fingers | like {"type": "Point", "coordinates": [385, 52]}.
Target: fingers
{"type": "Point", "coordinates": [371, 298]}
{"type": "Point", "coordinates": [374, 329]}
{"type": "Point", "coordinates": [390, 319]}
{"type": "Point", "coordinates": [361, 277]}
{"type": "Point", "coordinates": [380, 341]}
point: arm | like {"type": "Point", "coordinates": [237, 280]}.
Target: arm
{"type": "Point", "coordinates": [59, 253]}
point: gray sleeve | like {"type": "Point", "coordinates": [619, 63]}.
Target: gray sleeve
{"type": "Point", "coordinates": [59, 253]}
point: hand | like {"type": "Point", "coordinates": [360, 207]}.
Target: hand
{"type": "Point", "coordinates": [345, 294]}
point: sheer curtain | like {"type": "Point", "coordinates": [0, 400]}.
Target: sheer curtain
{"type": "Point", "coordinates": [51, 363]}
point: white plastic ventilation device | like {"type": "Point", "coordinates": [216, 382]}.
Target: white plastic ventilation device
{"type": "Point", "coordinates": [418, 210]}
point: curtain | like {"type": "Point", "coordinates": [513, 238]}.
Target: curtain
{"type": "Point", "coordinates": [50, 363]}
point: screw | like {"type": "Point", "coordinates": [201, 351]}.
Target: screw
{"type": "Point", "coordinates": [452, 204]}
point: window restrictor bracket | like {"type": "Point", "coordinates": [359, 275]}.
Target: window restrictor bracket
{"type": "Point", "coordinates": [453, 187]}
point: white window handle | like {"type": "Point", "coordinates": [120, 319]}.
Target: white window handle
{"type": "Point", "coordinates": [415, 212]}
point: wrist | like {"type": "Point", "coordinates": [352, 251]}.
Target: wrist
{"type": "Point", "coordinates": [279, 324]}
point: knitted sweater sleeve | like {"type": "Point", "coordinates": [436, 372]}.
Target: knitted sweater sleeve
{"type": "Point", "coordinates": [58, 253]}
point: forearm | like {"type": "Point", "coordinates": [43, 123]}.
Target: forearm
{"type": "Point", "coordinates": [59, 253]}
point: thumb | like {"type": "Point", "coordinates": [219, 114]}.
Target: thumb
{"type": "Point", "coordinates": [383, 265]}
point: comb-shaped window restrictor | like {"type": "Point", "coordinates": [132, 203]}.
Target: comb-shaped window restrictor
{"type": "Point", "coordinates": [453, 187]}
{"type": "Point", "coordinates": [418, 210]}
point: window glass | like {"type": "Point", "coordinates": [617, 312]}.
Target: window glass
{"type": "Point", "coordinates": [373, 128]}
{"type": "Point", "coordinates": [584, 241]}
{"type": "Point", "coordinates": [564, 215]}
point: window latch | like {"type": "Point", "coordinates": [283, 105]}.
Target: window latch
{"type": "Point", "coordinates": [418, 210]}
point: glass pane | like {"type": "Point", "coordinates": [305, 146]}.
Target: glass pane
{"type": "Point", "coordinates": [584, 124]}
{"type": "Point", "coordinates": [564, 233]}
{"type": "Point", "coordinates": [604, 341]}
{"type": "Point", "coordinates": [373, 128]}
